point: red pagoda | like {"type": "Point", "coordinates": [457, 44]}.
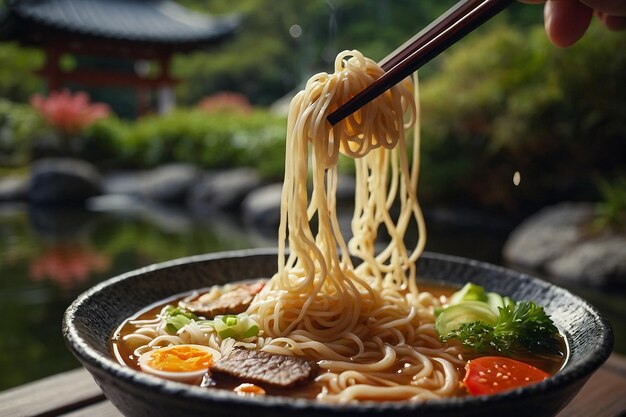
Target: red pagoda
{"type": "Point", "coordinates": [130, 32]}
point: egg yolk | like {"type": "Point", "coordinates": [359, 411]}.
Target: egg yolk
{"type": "Point", "coordinates": [181, 359]}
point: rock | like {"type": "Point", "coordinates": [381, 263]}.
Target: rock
{"type": "Point", "coordinates": [547, 235]}
{"type": "Point", "coordinates": [126, 183]}
{"type": "Point", "coordinates": [599, 261]}
{"type": "Point", "coordinates": [224, 190]}
{"type": "Point", "coordinates": [63, 180]}
{"type": "Point", "coordinates": [121, 203]}
{"type": "Point", "coordinates": [171, 218]}
{"type": "Point", "coordinates": [169, 183]}
{"type": "Point", "coordinates": [557, 240]}
{"type": "Point", "coordinates": [14, 188]}
{"type": "Point", "coordinates": [262, 206]}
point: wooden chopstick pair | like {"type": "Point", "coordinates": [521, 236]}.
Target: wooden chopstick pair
{"type": "Point", "coordinates": [457, 22]}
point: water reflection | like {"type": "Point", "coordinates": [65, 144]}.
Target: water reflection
{"type": "Point", "coordinates": [64, 253]}
{"type": "Point", "coordinates": [68, 263]}
{"type": "Point", "coordinates": [61, 223]}
{"type": "Point", "coordinates": [49, 256]}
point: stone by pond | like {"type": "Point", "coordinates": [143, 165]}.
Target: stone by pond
{"type": "Point", "coordinates": [239, 190]}
{"type": "Point", "coordinates": [170, 183]}
{"type": "Point", "coordinates": [60, 181]}
{"type": "Point", "coordinates": [63, 180]}
{"type": "Point", "coordinates": [224, 190]}
{"type": "Point", "coordinates": [262, 206]}
{"type": "Point", "coordinates": [557, 240]}
{"type": "Point", "coordinates": [14, 188]}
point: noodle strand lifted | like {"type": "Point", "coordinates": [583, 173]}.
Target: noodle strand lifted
{"type": "Point", "coordinates": [361, 322]}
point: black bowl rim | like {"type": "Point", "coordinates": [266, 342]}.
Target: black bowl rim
{"type": "Point", "coordinates": [91, 357]}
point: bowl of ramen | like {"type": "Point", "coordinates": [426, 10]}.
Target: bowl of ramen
{"type": "Point", "coordinates": [103, 328]}
{"type": "Point", "coordinates": [334, 324]}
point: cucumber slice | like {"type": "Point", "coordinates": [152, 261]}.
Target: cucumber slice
{"type": "Point", "coordinates": [470, 292]}
{"type": "Point", "coordinates": [466, 312]}
{"type": "Point", "coordinates": [496, 301]}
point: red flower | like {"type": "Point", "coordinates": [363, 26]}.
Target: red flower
{"type": "Point", "coordinates": [225, 101]}
{"type": "Point", "coordinates": [67, 113]}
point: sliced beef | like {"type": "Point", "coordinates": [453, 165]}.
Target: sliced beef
{"type": "Point", "coordinates": [265, 368]}
{"type": "Point", "coordinates": [233, 302]}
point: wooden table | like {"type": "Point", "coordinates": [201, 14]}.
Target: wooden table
{"type": "Point", "coordinates": [75, 394]}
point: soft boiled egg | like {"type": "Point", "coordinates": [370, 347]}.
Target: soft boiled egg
{"type": "Point", "coordinates": [182, 363]}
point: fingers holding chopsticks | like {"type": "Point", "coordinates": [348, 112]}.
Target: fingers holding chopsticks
{"type": "Point", "coordinates": [566, 21]}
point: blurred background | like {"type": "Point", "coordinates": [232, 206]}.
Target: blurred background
{"type": "Point", "coordinates": [138, 131]}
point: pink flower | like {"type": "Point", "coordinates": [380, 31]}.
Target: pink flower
{"type": "Point", "coordinates": [67, 113]}
{"type": "Point", "coordinates": [225, 101]}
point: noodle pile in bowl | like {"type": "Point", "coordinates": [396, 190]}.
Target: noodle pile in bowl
{"type": "Point", "coordinates": [366, 324]}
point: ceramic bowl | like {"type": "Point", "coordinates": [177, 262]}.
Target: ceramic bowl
{"type": "Point", "coordinates": [89, 322]}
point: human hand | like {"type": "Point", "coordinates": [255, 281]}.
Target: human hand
{"type": "Point", "coordinates": [567, 20]}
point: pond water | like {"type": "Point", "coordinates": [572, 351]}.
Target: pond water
{"type": "Point", "coordinates": [48, 257]}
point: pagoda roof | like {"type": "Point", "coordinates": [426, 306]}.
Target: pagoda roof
{"type": "Point", "coordinates": [142, 21]}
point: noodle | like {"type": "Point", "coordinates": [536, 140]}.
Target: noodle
{"type": "Point", "coordinates": [366, 323]}
{"type": "Point", "coordinates": [366, 315]}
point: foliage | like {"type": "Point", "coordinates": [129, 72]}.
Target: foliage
{"type": "Point", "coordinates": [264, 62]}
{"type": "Point", "coordinates": [218, 139]}
{"type": "Point", "coordinates": [260, 67]}
{"type": "Point", "coordinates": [103, 142]}
{"type": "Point", "coordinates": [17, 72]}
{"type": "Point", "coordinates": [509, 101]}
{"type": "Point", "coordinates": [69, 114]}
{"type": "Point", "coordinates": [19, 125]}
{"type": "Point", "coordinates": [269, 66]}
{"type": "Point", "coordinates": [611, 210]}
{"type": "Point", "coordinates": [209, 140]}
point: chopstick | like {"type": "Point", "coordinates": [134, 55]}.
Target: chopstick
{"type": "Point", "coordinates": [445, 31]}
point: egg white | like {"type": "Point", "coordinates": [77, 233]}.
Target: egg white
{"type": "Point", "coordinates": [191, 376]}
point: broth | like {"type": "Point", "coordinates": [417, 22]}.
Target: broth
{"type": "Point", "coordinates": [123, 353]}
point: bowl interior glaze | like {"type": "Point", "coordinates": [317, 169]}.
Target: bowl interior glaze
{"type": "Point", "coordinates": [90, 321]}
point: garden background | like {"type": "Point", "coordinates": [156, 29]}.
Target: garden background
{"type": "Point", "coordinates": [510, 125]}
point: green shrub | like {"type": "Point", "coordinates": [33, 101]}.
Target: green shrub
{"type": "Point", "coordinates": [509, 101]}
{"type": "Point", "coordinates": [17, 72]}
{"type": "Point", "coordinates": [19, 126]}
{"type": "Point", "coordinates": [610, 211]}
{"type": "Point", "coordinates": [208, 140]}
{"type": "Point", "coordinates": [103, 142]}
{"type": "Point", "coordinates": [217, 140]}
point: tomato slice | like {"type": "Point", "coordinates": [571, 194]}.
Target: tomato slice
{"type": "Point", "coordinates": [492, 374]}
